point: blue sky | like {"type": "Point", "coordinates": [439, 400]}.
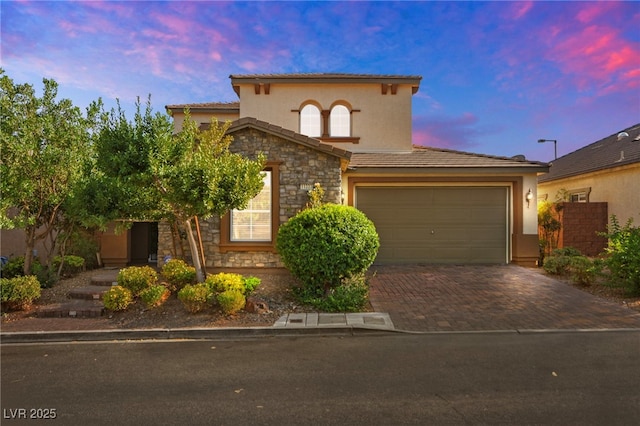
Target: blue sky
{"type": "Point", "coordinates": [497, 76]}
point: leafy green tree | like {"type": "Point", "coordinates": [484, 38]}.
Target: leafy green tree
{"type": "Point", "coordinates": [44, 144]}
{"type": "Point", "coordinates": [146, 171]}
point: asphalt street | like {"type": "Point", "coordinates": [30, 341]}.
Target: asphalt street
{"type": "Point", "coordinates": [555, 378]}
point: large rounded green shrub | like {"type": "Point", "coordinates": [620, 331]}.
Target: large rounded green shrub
{"type": "Point", "coordinates": [324, 245]}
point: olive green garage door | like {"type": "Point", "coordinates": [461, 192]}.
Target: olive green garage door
{"type": "Point", "coordinates": [462, 225]}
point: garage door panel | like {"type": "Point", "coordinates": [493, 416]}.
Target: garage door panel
{"type": "Point", "coordinates": [438, 224]}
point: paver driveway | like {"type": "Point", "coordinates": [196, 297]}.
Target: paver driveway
{"type": "Point", "coordinates": [492, 297]}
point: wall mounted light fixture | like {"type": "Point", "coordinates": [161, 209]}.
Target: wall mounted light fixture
{"type": "Point", "coordinates": [529, 197]}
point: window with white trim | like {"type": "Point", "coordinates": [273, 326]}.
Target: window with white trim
{"type": "Point", "coordinates": [310, 121]}
{"type": "Point", "coordinates": [340, 121]}
{"type": "Point", "coordinates": [579, 197]}
{"type": "Point", "coordinates": [254, 222]}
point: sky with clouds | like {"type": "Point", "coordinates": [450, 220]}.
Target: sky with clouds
{"type": "Point", "coordinates": [497, 76]}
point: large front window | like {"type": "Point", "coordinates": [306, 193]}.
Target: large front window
{"type": "Point", "coordinates": [254, 222]}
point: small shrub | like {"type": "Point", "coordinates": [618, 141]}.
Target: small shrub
{"type": "Point", "coordinates": [155, 295]}
{"type": "Point", "coordinates": [231, 301]}
{"type": "Point", "coordinates": [559, 262]}
{"type": "Point", "coordinates": [72, 264]}
{"type": "Point", "coordinates": [250, 284]}
{"type": "Point", "coordinates": [13, 268]}
{"type": "Point", "coordinates": [566, 251]}
{"type": "Point", "coordinates": [557, 265]}
{"type": "Point", "coordinates": [46, 276]}
{"type": "Point", "coordinates": [221, 282]}
{"type": "Point", "coordinates": [178, 273]}
{"type": "Point", "coordinates": [194, 297]}
{"type": "Point", "coordinates": [351, 296]}
{"type": "Point", "coordinates": [316, 196]}
{"type": "Point", "coordinates": [18, 293]}
{"type": "Point", "coordinates": [117, 298]}
{"type": "Point", "coordinates": [83, 243]}
{"type": "Point", "coordinates": [623, 255]}
{"type": "Point", "coordinates": [137, 278]}
{"type": "Point", "coordinates": [583, 271]}
{"type": "Point", "coordinates": [324, 245]}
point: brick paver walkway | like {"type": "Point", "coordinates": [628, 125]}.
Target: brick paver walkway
{"type": "Point", "coordinates": [494, 297]}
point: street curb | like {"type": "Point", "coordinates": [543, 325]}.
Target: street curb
{"type": "Point", "coordinates": [72, 336]}
{"type": "Point", "coordinates": [183, 334]}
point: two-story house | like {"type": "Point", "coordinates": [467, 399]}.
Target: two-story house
{"type": "Point", "coordinates": [353, 134]}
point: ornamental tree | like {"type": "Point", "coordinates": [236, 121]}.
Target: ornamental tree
{"type": "Point", "coordinates": [146, 171]}
{"type": "Point", "coordinates": [44, 144]}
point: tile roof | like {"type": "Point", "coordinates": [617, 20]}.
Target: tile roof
{"type": "Point", "coordinates": [214, 106]}
{"type": "Point", "coordinates": [318, 77]}
{"type": "Point", "coordinates": [289, 135]}
{"type": "Point", "coordinates": [604, 154]}
{"type": "Point", "coordinates": [438, 158]}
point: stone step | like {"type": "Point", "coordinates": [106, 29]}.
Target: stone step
{"type": "Point", "coordinates": [72, 308]}
{"type": "Point", "coordinates": [106, 279]}
{"type": "Point", "coordinates": [90, 292]}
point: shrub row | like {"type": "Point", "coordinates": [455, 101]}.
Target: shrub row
{"type": "Point", "coordinates": [229, 291]}
{"type": "Point", "coordinates": [569, 261]}
{"type": "Point", "coordinates": [136, 282]}
{"type": "Point", "coordinates": [619, 264]}
{"type": "Point", "coordinates": [47, 276]}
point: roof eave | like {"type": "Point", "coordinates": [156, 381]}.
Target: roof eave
{"type": "Point", "coordinates": [448, 169]}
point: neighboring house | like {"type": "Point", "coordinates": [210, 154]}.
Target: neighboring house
{"type": "Point", "coordinates": [352, 134]}
{"type": "Point", "coordinates": [607, 170]}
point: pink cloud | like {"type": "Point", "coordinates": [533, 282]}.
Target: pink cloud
{"type": "Point", "coordinates": [121, 9]}
{"type": "Point", "coordinates": [520, 9]}
{"type": "Point", "coordinates": [596, 55]}
{"type": "Point", "coordinates": [592, 11]}
{"type": "Point", "coordinates": [159, 35]}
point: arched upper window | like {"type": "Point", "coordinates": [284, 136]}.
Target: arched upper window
{"type": "Point", "coordinates": [310, 122]}
{"type": "Point", "coordinates": [340, 121]}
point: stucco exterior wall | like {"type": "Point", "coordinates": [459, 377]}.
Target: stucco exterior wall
{"type": "Point", "coordinates": [382, 122]}
{"type": "Point", "coordinates": [619, 187]}
{"type": "Point", "coordinates": [297, 165]}
{"type": "Point", "coordinates": [202, 118]}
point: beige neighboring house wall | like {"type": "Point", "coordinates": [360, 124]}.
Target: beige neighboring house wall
{"type": "Point", "coordinates": [607, 170]}
{"type": "Point", "coordinates": [618, 187]}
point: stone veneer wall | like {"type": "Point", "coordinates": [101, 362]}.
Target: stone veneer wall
{"type": "Point", "coordinates": [299, 165]}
